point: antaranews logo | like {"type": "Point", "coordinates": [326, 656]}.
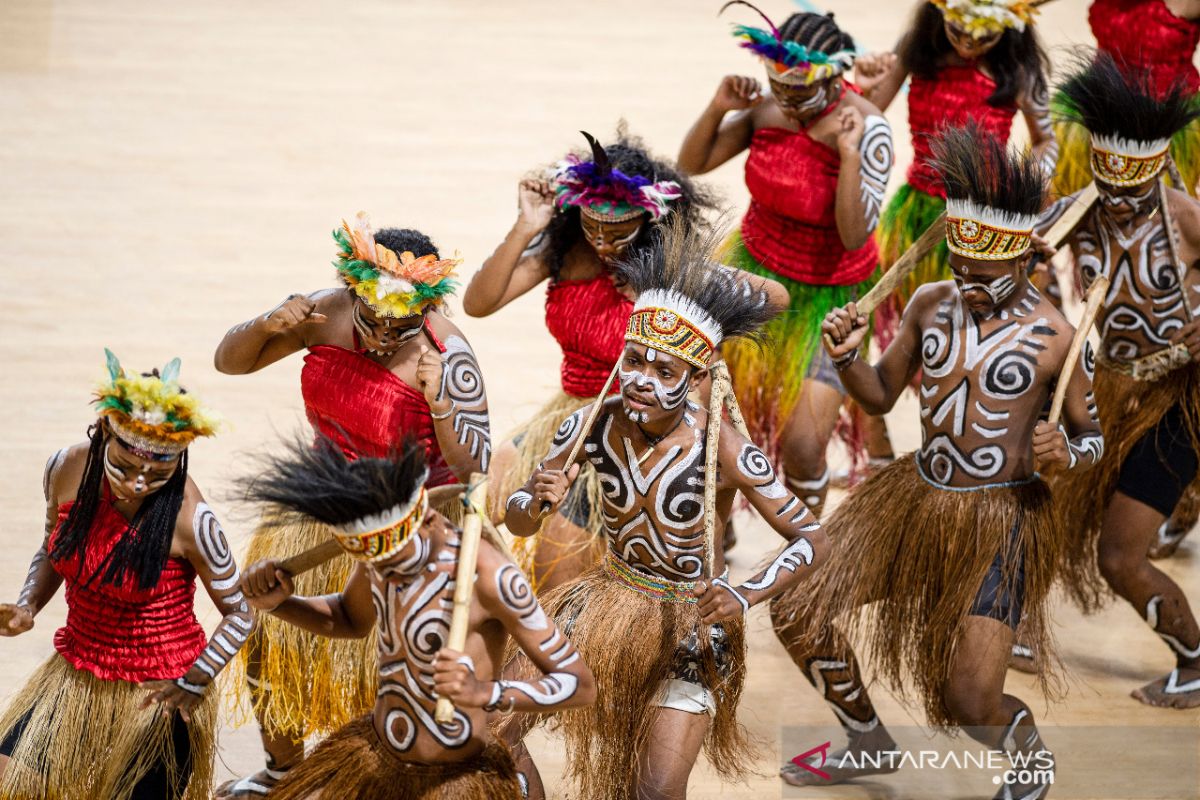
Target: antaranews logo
{"type": "Point", "coordinates": [1013, 769]}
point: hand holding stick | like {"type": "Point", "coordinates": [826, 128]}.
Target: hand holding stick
{"type": "Point", "coordinates": [1095, 298]}
{"type": "Point", "coordinates": [464, 582]}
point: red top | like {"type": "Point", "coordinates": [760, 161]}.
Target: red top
{"type": "Point", "coordinates": [587, 318]}
{"type": "Point", "coordinates": [1145, 34]}
{"type": "Point", "coordinates": [958, 93]}
{"type": "Point", "coordinates": [791, 227]}
{"type": "Point", "coordinates": [122, 632]}
{"type": "Point", "coordinates": [366, 408]}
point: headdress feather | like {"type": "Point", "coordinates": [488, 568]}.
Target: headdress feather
{"type": "Point", "coordinates": [606, 192]}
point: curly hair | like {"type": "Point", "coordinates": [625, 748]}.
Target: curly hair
{"type": "Point", "coordinates": [629, 155]}
{"type": "Point", "coordinates": [1017, 63]}
{"type": "Point", "coordinates": [399, 240]}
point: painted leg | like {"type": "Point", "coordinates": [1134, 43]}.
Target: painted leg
{"type": "Point", "coordinates": [1129, 526]}
{"type": "Point", "coordinates": [830, 666]}
{"type": "Point", "coordinates": [804, 440]}
{"type": "Point", "coordinates": [670, 753]}
{"type": "Point", "coordinates": [976, 701]}
{"type": "Point", "coordinates": [282, 750]}
{"type": "Point", "coordinates": [514, 736]}
{"type": "Point", "coordinates": [1172, 532]}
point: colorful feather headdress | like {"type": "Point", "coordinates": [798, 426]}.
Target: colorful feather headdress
{"type": "Point", "coordinates": [789, 62]}
{"type": "Point", "coordinates": [607, 194]}
{"type": "Point", "coordinates": [984, 18]}
{"type": "Point", "coordinates": [151, 414]}
{"type": "Point", "coordinates": [393, 285]}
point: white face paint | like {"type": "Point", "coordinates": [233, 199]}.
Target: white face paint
{"type": "Point", "coordinates": [668, 398]}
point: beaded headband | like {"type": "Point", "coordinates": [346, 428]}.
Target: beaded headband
{"type": "Point", "coordinates": [984, 18]}
{"type": "Point", "coordinates": [392, 285]}
{"type": "Point", "coordinates": [605, 193]}
{"type": "Point", "coordinates": [151, 414]}
{"type": "Point", "coordinates": [675, 325]}
{"type": "Point", "coordinates": [986, 234]}
{"type": "Point", "coordinates": [378, 537]}
{"type": "Point", "coordinates": [1124, 162]}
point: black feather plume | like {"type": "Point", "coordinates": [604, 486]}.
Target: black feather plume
{"type": "Point", "coordinates": [975, 165]}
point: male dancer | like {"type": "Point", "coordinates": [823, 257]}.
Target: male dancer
{"type": "Point", "coordinates": [402, 586]}
{"type": "Point", "coordinates": [1146, 239]}
{"type": "Point", "coordinates": [666, 646]}
{"type": "Point", "coordinates": [957, 540]}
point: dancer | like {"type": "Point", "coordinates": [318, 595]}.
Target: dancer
{"type": "Point", "coordinates": [820, 156]}
{"type": "Point", "coordinates": [402, 586]}
{"type": "Point", "coordinates": [970, 543]}
{"type": "Point", "coordinates": [569, 231]}
{"type": "Point", "coordinates": [665, 643]}
{"type": "Point", "coordinates": [1145, 238]}
{"type": "Point", "coordinates": [382, 362]}
{"type": "Point", "coordinates": [1155, 36]}
{"type": "Point", "coordinates": [124, 709]}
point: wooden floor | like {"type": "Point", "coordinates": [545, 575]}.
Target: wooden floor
{"type": "Point", "coordinates": [169, 169]}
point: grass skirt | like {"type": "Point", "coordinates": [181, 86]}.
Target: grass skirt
{"type": "Point", "coordinates": [1074, 169]}
{"type": "Point", "coordinates": [533, 440]}
{"type": "Point", "coordinates": [908, 214]}
{"type": "Point", "coordinates": [629, 640]}
{"type": "Point", "coordinates": [354, 763]}
{"type": "Point", "coordinates": [1128, 409]}
{"type": "Point", "coordinates": [87, 738]}
{"type": "Point", "coordinates": [922, 552]}
{"type": "Point", "coordinates": [768, 378]}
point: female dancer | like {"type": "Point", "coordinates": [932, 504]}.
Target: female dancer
{"type": "Point", "coordinates": [820, 157]}
{"type": "Point", "coordinates": [124, 709]}
{"type": "Point", "coordinates": [382, 362]}
{"type": "Point", "coordinates": [569, 232]}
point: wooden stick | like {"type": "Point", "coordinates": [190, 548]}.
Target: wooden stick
{"type": "Point", "coordinates": [717, 393]}
{"type": "Point", "coordinates": [330, 549]}
{"type": "Point", "coordinates": [1062, 228]}
{"type": "Point", "coordinates": [464, 582]}
{"type": "Point", "coordinates": [587, 426]}
{"type": "Point", "coordinates": [1095, 298]}
{"type": "Point", "coordinates": [731, 402]}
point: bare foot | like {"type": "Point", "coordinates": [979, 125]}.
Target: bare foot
{"type": "Point", "coordinates": [259, 784]}
{"type": "Point", "coordinates": [868, 755]}
{"type": "Point", "coordinates": [1168, 539]}
{"type": "Point", "coordinates": [1023, 660]}
{"type": "Point", "coordinates": [1180, 689]}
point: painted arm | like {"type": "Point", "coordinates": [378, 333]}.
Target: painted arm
{"type": "Point", "coordinates": [512, 270]}
{"type": "Point", "coordinates": [1035, 107]}
{"type": "Point", "coordinates": [349, 614]}
{"type": "Point", "coordinates": [566, 681]}
{"type": "Point", "coordinates": [251, 345]}
{"type": "Point", "coordinates": [453, 387]}
{"type": "Point", "coordinates": [714, 139]}
{"type": "Point", "coordinates": [1076, 443]}
{"type": "Point", "coordinates": [865, 148]}
{"type": "Point", "coordinates": [549, 482]}
{"type": "Point", "coordinates": [42, 580]}
{"type": "Point", "coordinates": [875, 388]}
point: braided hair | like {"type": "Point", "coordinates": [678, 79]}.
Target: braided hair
{"type": "Point", "coordinates": [144, 547]}
{"type": "Point", "coordinates": [816, 32]}
{"type": "Point", "coordinates": [1017, 63]}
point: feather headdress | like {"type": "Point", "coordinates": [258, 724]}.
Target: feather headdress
{"type": "Point", "coordinates": [394, 285]}
{"type": "Point", "coordinates": [984, 18]}
{"type": "Point", "coordinates": [687, 303]}
{"type": "Point", "coordinates": [602, 191]}
{"type": "Point", "coordinates": [993, 195]}
{"type": "Point", "coordinates": [789, 62]}
{"type": "Point", "coordinates": [151, 414]}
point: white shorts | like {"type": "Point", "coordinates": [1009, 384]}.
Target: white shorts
{"type": "Point", "coordinates": [685, 696]}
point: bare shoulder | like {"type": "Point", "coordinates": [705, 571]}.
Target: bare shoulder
{"type": "Point", "coordinates": [64, 472]}
{"type": "Point", "coordinates": [498, 581]}
{"type": "Point", "coordinates": [444, 328]}
{"type": "Point", "coordinates": [1185, 210]}
{"type": "Point", "coordinates": [926, 300]}
{"type": "Point", "coordinates": [864, 105]}
{"type": "Point", "coordinates": [191, 512]}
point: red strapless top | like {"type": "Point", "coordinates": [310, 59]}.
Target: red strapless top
{"type": "Point", "coordinates": [122, 632]}
{"type": "Point", "coordinates": [958, 93]}
{"type": "Point", "coordinates": [1145, 34]}
{"type": "Point", "coordinates": [587, 318]}
{"type": "Point", "coordinates": [791, 227]}
{"type": "Point", "coordinates": [366, 408]}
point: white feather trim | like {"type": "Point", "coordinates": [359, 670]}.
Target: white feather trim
{"type": "Point", "coordinates": [384, 519]}
{"type": "Point", "coordinates": [1130, 147]}
{"type": "Point", "coordinates": [684, 307]}
{"type": "Point", "coordinates": [992, 217]}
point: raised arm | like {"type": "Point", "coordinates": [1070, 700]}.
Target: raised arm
{"type": "Point", "coordinates": [866, 153]}
{"type": "Point", "coordinates": [1035, 108]}
{"type": "Point", "coordinates": [751, 473]}
{"type": "Point", "coordinates": [549, 482]}
{"type": "Point", "coordinates": [42, 580]}
{"type": "Point", "coordinates": [512, 270]}
{"type": "Point", "coordinates": [507, 596]}
{"type": "Point", "coordinates": [713, 139]}
{"type": "Point", "coordinates": [880, 76]}
{"type": "Point", "coordinates": [262, 340]}
{"type": "Point", "coordinates": [453, 387]}
{"type": "Point", "coordinates": [1076, 442]}
{"type": "Point", "coordinates": [349, 614]}
{"type": "Point", "coordinates": [875, 388]}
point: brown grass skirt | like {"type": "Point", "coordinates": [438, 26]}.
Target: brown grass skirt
{"type": "Point", "coordinates": [1128, 409]}
{"type": "Point", "coordinates": [922, 552]}
{"type": "Point", "coordinates": [629, 641]}
{"type": "Point", "coordinates": [354, 763]}
{"type": "Point", "coordinates": [88, 738]}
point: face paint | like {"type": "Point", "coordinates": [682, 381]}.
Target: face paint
{"type": "Point", "coordinates": [390, 341]}
{"type": "Point", "coordinates": [668, 398]}
{"type": "Point", "coordinates": [802, 103]}
{"type": "Point", "coordinates": [118, 477]}
{"type": "Point", "coordinates": [609, 239]}
{"type": "Point", "coordinates": [997, 290]}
